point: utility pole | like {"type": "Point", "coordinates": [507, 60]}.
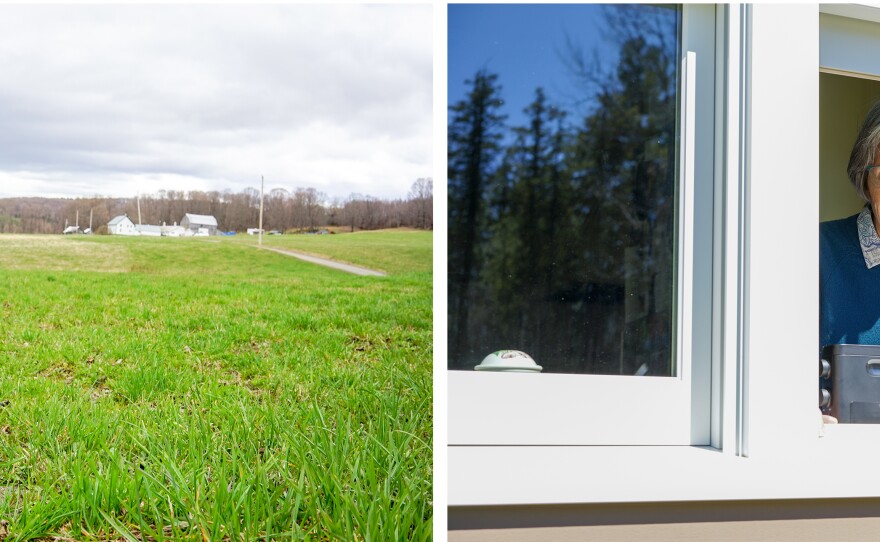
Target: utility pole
{"type": "Point", "coordinates": [139, 208]}
{"type": "Point", "coordinates": [262, 183]}
{"type": "Point", "coordinates": [90, 219]}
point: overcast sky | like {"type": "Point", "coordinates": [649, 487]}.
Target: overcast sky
{"type": "Point", "coordinates": [116, 99]}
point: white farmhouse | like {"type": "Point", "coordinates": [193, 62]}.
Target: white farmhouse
{"type": "Point", "coordinates": [122, 225]}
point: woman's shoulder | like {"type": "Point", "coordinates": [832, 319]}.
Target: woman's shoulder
{"type": "Point", "coordinates": [839, 243]}
{"type": "Point", "coordinates": [840, 223]}
{"type": "Point", "coordinates": [839, 233]}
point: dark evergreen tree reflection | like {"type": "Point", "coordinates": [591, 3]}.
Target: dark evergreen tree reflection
{"type": "Point", "coordinates": [562, 230]}
{"type": "Point", "coordinates": [474, 136]}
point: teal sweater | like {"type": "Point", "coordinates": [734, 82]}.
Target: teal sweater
{"type": "Point", "coordinates": [849, 292]}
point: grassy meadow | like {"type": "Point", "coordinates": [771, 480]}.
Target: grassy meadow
{"type": "Point", "coordinates": [201, 389]}
{"type": "Point", "coordinates": [389, 251]}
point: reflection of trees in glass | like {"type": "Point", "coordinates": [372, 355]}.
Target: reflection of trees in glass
{"type": "Point", "coordinates": [527, 208]}
{"type": "Point", "coordinates": [474, 142]}
{"type": "Point", "coordinates": [626, 150]}
{"type": "Point", "coordinates": [565, 249]}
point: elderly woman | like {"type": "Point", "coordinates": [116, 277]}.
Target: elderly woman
{"type": "Point", "coordinates": [849, 253]}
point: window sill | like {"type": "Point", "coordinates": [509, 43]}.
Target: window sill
{"type": "Point", "coordinates": [841, 464]}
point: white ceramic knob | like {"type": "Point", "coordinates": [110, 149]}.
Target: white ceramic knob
{"type": "Point", "coordinates": [509, 361]}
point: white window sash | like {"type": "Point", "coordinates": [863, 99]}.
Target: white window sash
{"type": "Point", "coordinates": [567, 409]}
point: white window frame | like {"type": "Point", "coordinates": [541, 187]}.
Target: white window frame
{"type": "Point", "coordinates": [565, 409]}
{"type": "Point", "coordinates": [767, 442]}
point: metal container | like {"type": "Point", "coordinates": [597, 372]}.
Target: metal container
{"type": "Point", "coordinates": [849, 382]}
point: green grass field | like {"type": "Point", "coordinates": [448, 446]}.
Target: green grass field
{"type": "Point", "coordinates": [389, 251]}
{"type": "Point", "coordinates": [200, 389]}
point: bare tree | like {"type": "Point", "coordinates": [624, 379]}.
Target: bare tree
{"type": "Point", "coordinates": [304, 209]}
{"type": "Point", "coordinates": [421, 199]}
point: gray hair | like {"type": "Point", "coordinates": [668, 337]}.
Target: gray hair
{"type": "Point", "coordinates": [864, 152]}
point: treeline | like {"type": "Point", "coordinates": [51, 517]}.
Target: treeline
{"type": "Point", "coordinates": [562, 227]}
{"type": "Point", "coordinates": [302, 209]}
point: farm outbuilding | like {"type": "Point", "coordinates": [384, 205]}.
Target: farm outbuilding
{"type": "Point", "coordinates": [196, 222]}
{"type": "Point", "coordinates": [173, 231]}
{"type": "Point", "coordinates": [149, 230]}
{"type": "Point", "coordinates": [122, 225]}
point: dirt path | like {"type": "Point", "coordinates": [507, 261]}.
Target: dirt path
{"type": "Point", "coordinates": [329, 263]}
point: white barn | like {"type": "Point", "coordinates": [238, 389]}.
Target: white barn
{"type": "Point", "coordinates": [122, 225]}
{"type": "Point", "coordinates": [194, 223]}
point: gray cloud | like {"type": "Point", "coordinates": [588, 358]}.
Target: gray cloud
{"type": "Point", "coordinates": [112, 99]}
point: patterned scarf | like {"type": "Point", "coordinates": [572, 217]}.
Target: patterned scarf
{"type": "Point", "coordinates": [868, 238]}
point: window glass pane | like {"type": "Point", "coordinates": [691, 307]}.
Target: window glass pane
{"type": "Point", "coordinates": [562, 162]}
